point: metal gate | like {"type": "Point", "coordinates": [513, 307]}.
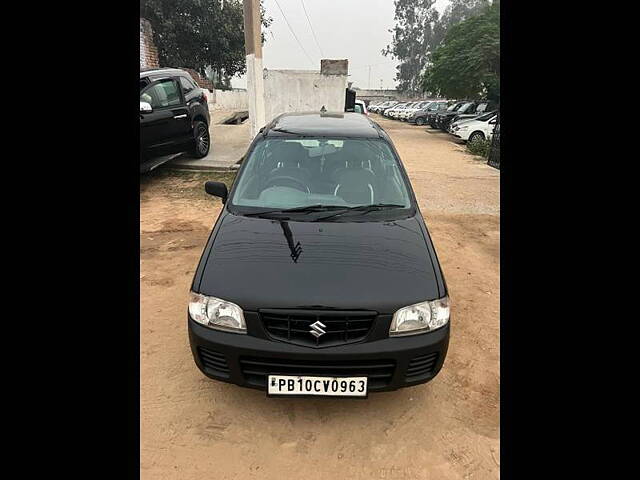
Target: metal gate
{"type": "Point", "coordinates": [494, 152]}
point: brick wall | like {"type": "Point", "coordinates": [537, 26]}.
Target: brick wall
{"type": "Point", "coordinates": [148, 50]}
{"type": "Point", "coordinates": [201, 81]}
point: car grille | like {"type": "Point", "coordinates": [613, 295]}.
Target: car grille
{"type": "Point", "coordinates": [421, 366]}
{"type": "Point", "coordinates": [340, 327]}
{"type": "Point", "coordinates": [215, 362]}
{"type": "Point", "coordinates": [256, 370]}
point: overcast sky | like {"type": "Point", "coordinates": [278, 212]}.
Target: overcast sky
{"type": "Point", "coordinates": [352, 29]}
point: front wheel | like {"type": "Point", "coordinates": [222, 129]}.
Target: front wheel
{"type": "Point", "coordinates": [202, 139]}
{"type": "Point", "coordinates": [420, 121]}
{"type": "Point", "coordinates": [476, 137]}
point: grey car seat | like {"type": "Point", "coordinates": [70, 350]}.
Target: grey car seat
{"type": "Point", "coordinates": [355, 183]}
{"type": "Point", "coordinates": [289, 158]}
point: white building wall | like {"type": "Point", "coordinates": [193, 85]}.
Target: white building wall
{"type": "Point", "coordinates": [302, 91]}
{"type": "Point", "coordinates": [229, 100]}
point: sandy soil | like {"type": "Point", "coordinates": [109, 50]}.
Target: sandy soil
{"type": "Point", "coordinates": [194, 428]}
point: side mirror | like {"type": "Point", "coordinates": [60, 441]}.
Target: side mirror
{"type": "Point", "coordinates": [145, 107]}
{"type": "Point", "coordinates": [217, 189]}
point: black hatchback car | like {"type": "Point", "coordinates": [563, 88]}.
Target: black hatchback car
{"type": "Point", "coordinates": [319, 277]}
{"type": "Point", "coordinates": [174, 114]}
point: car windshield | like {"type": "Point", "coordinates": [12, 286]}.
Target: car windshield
{"type": "Point", "coordinates": [454, 107]}
{"type": "Point", "coordinates": [465, 107]}
{"type": "Point", "coordinates": [319, 172]}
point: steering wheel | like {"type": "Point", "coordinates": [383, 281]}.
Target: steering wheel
{"type": "Point", "coordinates": [291, 181]}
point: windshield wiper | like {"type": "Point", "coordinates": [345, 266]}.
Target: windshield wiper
{"type": "Point", "coordinates": [305, 209]}
{"type": "Point", "coordinates": [363, 209]}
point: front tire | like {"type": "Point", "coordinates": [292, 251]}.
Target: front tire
{"type": "Point", "coordinates": [202, 140]}
{"type": "Point", "coordinates": [476, 137]}
{"type": "Point", "coordinates": [420, 121]}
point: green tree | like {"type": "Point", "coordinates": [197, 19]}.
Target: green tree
{"type": "Point", "coordinates": [418, 31]}
{"type": "Point", "coordinates": [205, 35]}
{"type": "Point", "coordinates": [467, 64]}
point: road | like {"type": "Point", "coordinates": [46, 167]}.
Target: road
{"type": "Point", "coordinates": [194, 428]}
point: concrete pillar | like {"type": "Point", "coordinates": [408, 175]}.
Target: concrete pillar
{"type": "Point", "coordinates": [253, 49]}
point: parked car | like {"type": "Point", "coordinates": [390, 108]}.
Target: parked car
{"type": "Point", "coordinates": [398, 113]}
{"type": "Point", "coordinates": [393, 112]}
{"type": "Point", "coordinates": [419, 117]}
{"type": "Point", "coordinates": [443, 119]}
{"type": "Point", "coordinates": [361, 107]}
{"type": "Point", "coordinates": [320, 276]}
{"type": "Point", "coordinates": [174, 114]}
{"type": "Point", "coordinates": [475, 129]}
{"type": "Point", "coordinates": [384, 105]}
{"type": "Point", "coordinates": [451, 106]}
{"type": "Point", "coordinates": [482, 108]}
{"type": "Point", "coordinates": [408, 112]}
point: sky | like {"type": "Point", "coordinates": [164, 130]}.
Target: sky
{"type": "Point", "coordinates": [353, 29]}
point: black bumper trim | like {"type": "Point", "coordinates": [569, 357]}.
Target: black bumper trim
{"type": "Point", "coordinates": [385, 361]}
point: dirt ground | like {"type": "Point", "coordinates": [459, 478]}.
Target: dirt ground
{"type": "Point", "coordinates": [192, 427]}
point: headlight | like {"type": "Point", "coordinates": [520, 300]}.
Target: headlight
{"type": "Point", "coordinates": [464, 127]}
{"type": "Point", "coordinates": [420, 318]}
{"type": "Point", "coordinates": [216, 313]}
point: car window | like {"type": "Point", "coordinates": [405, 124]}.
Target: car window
{"type": "Point", "coordinates": [143, 83]}
{"type": "Point", "coordinates": [283, 173]}
{"type": "Point", "coordinates": [187, 86]}
{"type": "Point", "coordinates": [465, 107]}
{"type": "Point", "coordinates": [163, 94]}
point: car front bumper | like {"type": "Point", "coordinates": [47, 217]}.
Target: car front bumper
{"type": "Point", "coordinates": [389, 363]}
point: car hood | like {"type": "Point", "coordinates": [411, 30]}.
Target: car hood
{"type": "Point", "coordinates": [263, 263]}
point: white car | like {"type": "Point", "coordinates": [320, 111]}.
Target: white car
{"type": "Point", "coordinates": [360, 107]}
{"type": "Point", "coordinates": [400, 115]}
{"type": "Point", "coordinates": [479, 128]}
{"type": "Point", "coordinates": [384, 105]}
{"type": "Point", "coordinates": [391, 112]}
{"type": "Point", "coordinates": [407, 113]}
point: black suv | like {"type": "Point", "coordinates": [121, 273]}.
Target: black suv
{"type": "Point", "coordinates": [443, 119]}
{"type": "Point", "coordinates": [319, 277]}
{"type": "Point", "coordinates": [483, 106]}
{"type": "Point", "coordinates": [174, 114]}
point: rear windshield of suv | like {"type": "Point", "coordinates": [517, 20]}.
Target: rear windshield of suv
{"type": "Point", "coordinates": [291, 173]}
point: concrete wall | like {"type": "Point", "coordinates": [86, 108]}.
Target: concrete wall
{"type": "Point", "coordinates": [302, 91]}
{"type": "Point", "coordinates": [383, 95]}
{"type": "Point", "coordinates": [228, 100]}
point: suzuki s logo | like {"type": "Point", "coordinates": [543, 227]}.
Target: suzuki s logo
{"type": "Point", "coordinates": [317, 329]}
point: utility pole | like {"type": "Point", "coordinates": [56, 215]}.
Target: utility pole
{"type": "Point", "coordinates": [253, 50]}
{"type": "Point", "coordinates": [369, 83]}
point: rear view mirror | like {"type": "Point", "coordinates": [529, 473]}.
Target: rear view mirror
{"type": "Point", "coordinates": [145, 107]}
{"type": "Point", "coordinates": [217, 189]}
{"type": "Point", "coordinates": [327, 149]}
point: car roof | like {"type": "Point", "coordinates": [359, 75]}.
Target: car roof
{"type": "Point", "coordinates": [317, 124]}
{"type": "Point", "coordinates": [146, 72]}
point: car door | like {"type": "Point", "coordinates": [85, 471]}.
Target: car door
{"type": "Point", "coordinates": [167, 128]}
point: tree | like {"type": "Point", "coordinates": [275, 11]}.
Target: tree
{"type": "Point", "coordinates": [419, 30]}
{"type": "Point", "coordinates": [204, 35]}
{"type": "Point", "coordinates": [416, 31]}
{"type": "Point", "coordinates": [467, 64]}
{"type": "Point", "coordinates": [460, 10]}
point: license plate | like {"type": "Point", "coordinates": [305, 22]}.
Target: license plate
{"type": "Point", "coordinates": [323, 386]}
